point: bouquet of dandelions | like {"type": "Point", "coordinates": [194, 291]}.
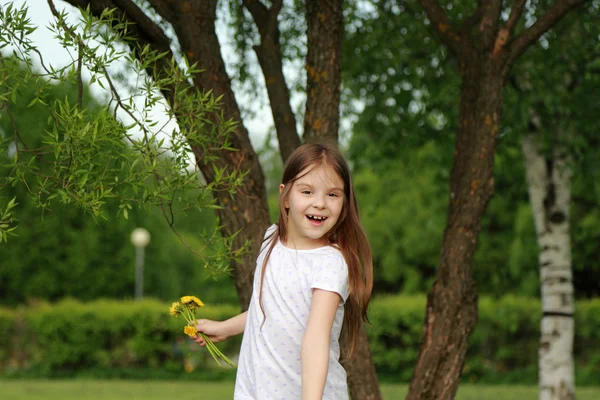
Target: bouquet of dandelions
{"type": "Point", "coordinates": [187, 307]}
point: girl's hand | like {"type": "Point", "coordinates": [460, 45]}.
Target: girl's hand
{"type": "Point", "coordinates": [215, 330]}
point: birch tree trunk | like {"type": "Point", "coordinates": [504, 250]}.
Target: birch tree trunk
{"type": "Point", "coordinates": [549, 181]}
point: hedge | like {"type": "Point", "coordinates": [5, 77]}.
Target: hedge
{"type": "Point", "coordinates": [502, 349]}
{"type": "Point", "coordinates": [104, 338]}
{"type": "Point", "coordinates": [138, 339]}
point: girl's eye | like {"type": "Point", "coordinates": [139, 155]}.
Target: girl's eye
{"type": "Point", "coordinates": [306, 191]}
{"type": "Point", "coordinates": [333, 195]}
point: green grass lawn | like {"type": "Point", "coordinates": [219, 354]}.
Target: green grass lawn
{"type": "Point", "coordinates": [155, 390]}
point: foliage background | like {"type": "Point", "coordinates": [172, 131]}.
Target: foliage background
{"type": "Point", "coordinates": [400, 91]}
{"type": "Point", "coordinates": [138, 339]}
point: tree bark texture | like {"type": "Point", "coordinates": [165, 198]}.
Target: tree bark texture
{"type": "Point", "coordinates": [269, 57]}
{"type": "Point", "coordinates": [549, 182]}
{"type": "Point", "coordinates": [362, 377]}
{"type": "Point", "coordinates": [451, 312]}
{"type": "Point", "coordinates": [486, 53]}
{"type": "Point", "coordinates": [323, 70]}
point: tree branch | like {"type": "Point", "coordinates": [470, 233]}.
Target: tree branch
{"type": "Point", "coordinates": [115, 94]}
{"type": "Point", "coordinates": [274, 13]}
{"type": "Point", "coordinates": [440, 22]}
{"type": "Point", "coordinates": [54, 12]}
{"type": "Point", "coordinates": [79, 79]}
{"type": "Point", "coordinates": [260, 14]}
{"type": "Point", "coordinates": [506, 30]}
{"type": "Point", "coordinates": [488, 25]}
{"type": "Point", "coordinates": [265, 18]}
{"type": "Point", "coordinates": [270, 60]}
{"type": "Point", "coordinates": [470, 22]}
{"type": "Point", "coordinates": [163, 8]}
{"type": "Point", "coordinates": [515, 14]}
{"type": "Point", "coordinates": [530, 35]}
{"type": "Point", "coordinates": [146, 31]}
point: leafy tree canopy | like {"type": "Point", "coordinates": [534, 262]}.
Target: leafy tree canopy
{"type": "Point", "coordinates": [83, 156]}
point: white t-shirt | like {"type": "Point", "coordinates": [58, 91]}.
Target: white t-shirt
{"type": "Point", "coordinates": [269, 366]}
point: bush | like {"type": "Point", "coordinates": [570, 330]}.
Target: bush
{"type": "Point", "coordinates": [111, 338]}
{"type": "Point", "coordinates": [502, 349]}
{"type": "Point", "coordinates": [138, 339]}
{"type": "Point", "coordinates": [7, 324]}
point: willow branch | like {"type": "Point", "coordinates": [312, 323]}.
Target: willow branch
{"type": "Point", "coordinates": [79, 80]}
{"type": "Point", "coordinates": [146, 31]}
{"type": "Point", "coordinates": [116, 96]}
{"type": "Point", "coordinates": [71, 30]}
{"type": "Point", "coordinates": [13, 122]}
{"type": "Point", "coordinates": [15, 127]}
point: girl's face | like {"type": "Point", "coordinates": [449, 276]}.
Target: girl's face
{"type": "Point", "coordinates": [314, 204]}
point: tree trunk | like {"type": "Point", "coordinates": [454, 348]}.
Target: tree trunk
{"type": "Point", "coordinates": [549, 181]}
{"type": "Point", "coordinates": [451, 312]}
{"type": "Point", "coordinates": [194, 25]}
{"type": "Point", "coordinates": [486, 52]}
{"type": "Point", "coordinates": [321, 124]}
{"type": "Point", "coordinates": [362, 377]}
{"type": "Point", "coordinates": [247, 212]}
{"type": "Point", "coordinates": [324, 19]}
{"type": "Point", "coordinates": [269, 57]}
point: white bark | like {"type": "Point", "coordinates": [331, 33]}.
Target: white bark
{"type": "Point", "coordinates": [549, 181]}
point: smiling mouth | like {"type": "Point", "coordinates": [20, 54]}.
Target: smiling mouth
{"type": "Point", "coordinates": [316, 218]}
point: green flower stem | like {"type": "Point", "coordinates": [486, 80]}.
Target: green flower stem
{"type": "Point", "coordinates": [209, 348]}
{"type": "Point", "coordinates": [189, 314]}
{"type": "Point", "coordinates": [215, 352]}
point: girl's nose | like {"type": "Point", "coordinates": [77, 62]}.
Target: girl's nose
{"type": "Point", "coordinates": [319, 202]}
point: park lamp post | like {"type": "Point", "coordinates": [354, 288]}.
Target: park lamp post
{"type": "Point", "coordinates": [140, 238]}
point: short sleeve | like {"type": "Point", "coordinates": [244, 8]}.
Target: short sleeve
{"type": "Point", "coordinates": [331, 274]}
{"type": "Point", "coordinates": [268, 235]}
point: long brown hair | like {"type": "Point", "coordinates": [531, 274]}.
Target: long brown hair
{"type": "Point", "coordinates": [347, 235]}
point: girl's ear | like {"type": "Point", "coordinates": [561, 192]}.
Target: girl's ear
{"type": "Point", "coordinates": [281, 188]}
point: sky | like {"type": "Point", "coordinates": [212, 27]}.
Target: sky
{"type": "Point", "coordinates": [258, 124]}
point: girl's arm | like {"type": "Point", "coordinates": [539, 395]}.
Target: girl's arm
{"type": "Point", "coordinates": [315, 344]}
{"type": "Point", "coordinates": [218, 331]}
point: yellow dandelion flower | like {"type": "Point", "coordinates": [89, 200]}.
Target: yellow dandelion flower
{"type": "Point", "coordinates": [192, 301]}
{"type": "Point", "coordinates": [175, 308]}
{"type": "Point", "coordinates": [190, 331]}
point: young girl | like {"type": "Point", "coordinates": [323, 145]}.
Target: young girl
{"type": "Point", "coordinates": [313, 282]}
